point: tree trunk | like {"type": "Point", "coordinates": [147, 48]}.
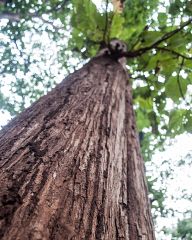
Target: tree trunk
{"type": "Point", "coordinates": [71, 166]}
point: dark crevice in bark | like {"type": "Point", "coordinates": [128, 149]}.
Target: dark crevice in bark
{"type": "Point", "coordinates": [116, 231]}
{"type": "Point", "coordinates": [10, 200]}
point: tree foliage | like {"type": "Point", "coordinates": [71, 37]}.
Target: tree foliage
{"type": "Point", "coordinates": [41, 41]}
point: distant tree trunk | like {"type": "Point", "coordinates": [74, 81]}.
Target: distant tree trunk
{"type": "Point", "coordinates": [71, 166]}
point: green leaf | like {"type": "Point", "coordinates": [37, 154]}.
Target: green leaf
{"type": "Point", "coordinates": [162, 18]}
{"type": "Point", "coordinates": [116, 26]}
{"type": "Point", "coordinates": [126, 33]}
{"type": "Point", "coordinates": [174, 88]}
{"type": "Point", "coordinates": [177, 40]}
{"type": "Point", "coordinates": [174, 9]}
{"type": "Point", "coordinates": [87, 20]}
{"type": "Point", "coordinates": [188, 118]}
{"type": "Point", "coordinates": [151, 37]}
{"type": "Point", "coordinates": [188, 63]}
{"type": "Point", "coordinates": [176, 121]}
{"type": "Point", "coordinates": [168, 65]}
{"type": "Point", "coordinates": [142, 120]}
{"type": "Point", "coordinates": [146, 104]}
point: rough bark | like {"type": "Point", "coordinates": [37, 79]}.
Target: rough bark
{"type": "Point", "coordinates": [71, 166]}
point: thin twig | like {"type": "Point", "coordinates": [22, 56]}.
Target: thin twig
{"type": "Point", "coordinates": [172, 33]}
{"type": "Point", "coordinates": [15, 17]}
{"type": "Point", "coordinates": [106, 21]}
{"type": "Point", "coordinates": [173, 52]}
{"type": "Point", "coordinates": [178, 79]}
{"type": "Point", "coordinates": [48, 22]}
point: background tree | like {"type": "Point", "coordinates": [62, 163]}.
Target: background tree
{"type": "Point", "coordinates": [158, 36]}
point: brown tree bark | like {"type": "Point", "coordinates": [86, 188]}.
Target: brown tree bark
{"type": "Point", "coordinates": [71, 166]}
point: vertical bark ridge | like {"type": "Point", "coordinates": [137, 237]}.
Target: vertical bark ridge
{"type": "Point", "coordinates": [70, 164]}
{"type": "Point", "coordinates": [139, 214]}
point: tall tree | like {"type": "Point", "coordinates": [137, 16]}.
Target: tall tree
{"type": "Point", "coordinates": [71, 165]}
{"type": "Point", "coordinates": [154, 41]}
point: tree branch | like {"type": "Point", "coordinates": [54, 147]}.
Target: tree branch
{"type": "Point", "coordinates": [178, 79]}
{"type": "Point", "coordinates": [15, 17]}
{"type": "Point", "coordinates": [165, 37]}
{"type": "Point", "coordinates": [173, 52]}
{"type": "Point", "coordinates": [48, 22]}
{"type": "Point", "coordinates": [106, 21]}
